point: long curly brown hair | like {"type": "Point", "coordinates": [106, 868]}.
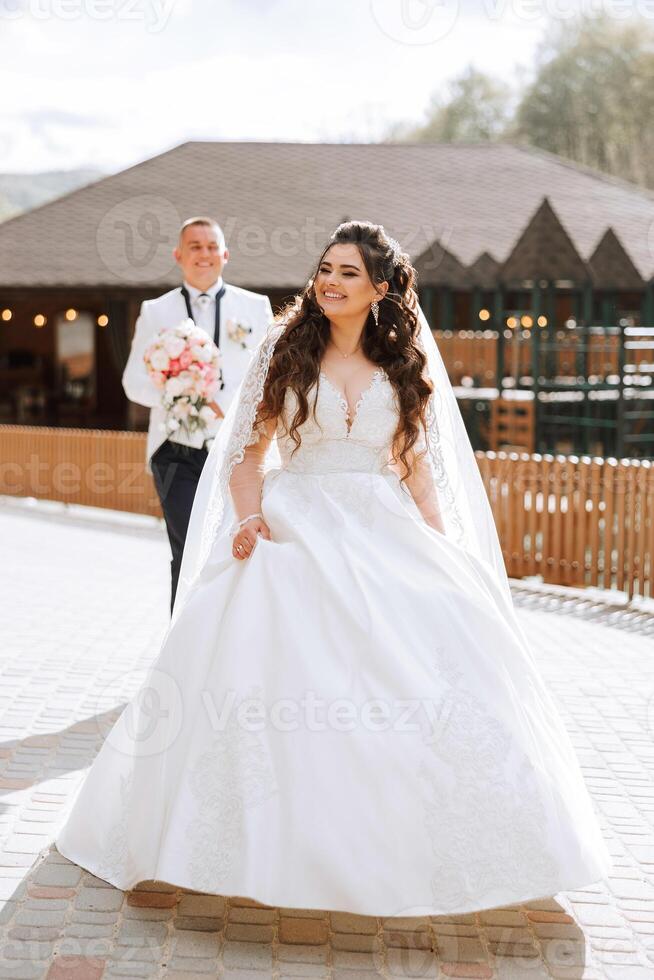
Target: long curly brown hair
{"type": "Point", "coordinates": [391, 343]}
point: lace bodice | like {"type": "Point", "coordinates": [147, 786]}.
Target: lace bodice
{"type": "Point", "coordinates": [331, 441]}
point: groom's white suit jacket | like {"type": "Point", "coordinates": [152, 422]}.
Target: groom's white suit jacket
{"type": "Point", "coordinates": [238, 306]}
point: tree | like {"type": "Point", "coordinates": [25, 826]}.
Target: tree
{"type": "Point", "coordinates": [592, 98]}
{"type": "Point", "coordinates": [475, 108]}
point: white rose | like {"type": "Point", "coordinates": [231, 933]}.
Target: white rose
{"type": "Point", "coordinates": [174, 345]}
{"type": "Point", "coordinates": [202, 354]}
{"type": "Point", "coordinates": [187, 378]}
{"type": "Point", "coordinates": [174, 386]}
{"type": "Point", "coordinates": [160, 360]}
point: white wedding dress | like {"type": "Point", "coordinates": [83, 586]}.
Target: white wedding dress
{"type": "Point", "coordinates": [395, 751]}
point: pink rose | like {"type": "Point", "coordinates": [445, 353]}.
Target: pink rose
{"type": "Point", "coordinates": [174, 367]}
{"type": "Point", "coordinates": [185, 358]}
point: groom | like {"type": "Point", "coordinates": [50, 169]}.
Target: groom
{"type": "Point", "coordinates": [236, 319]}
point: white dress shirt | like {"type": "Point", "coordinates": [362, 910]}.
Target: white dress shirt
{"type": "Point", "coordinates": [203, 309]}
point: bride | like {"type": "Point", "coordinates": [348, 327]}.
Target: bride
{"type": "Point", "coordinates": [344, 713]}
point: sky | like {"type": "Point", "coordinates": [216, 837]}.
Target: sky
{"type": "Point", "coordinates": [106, 83]}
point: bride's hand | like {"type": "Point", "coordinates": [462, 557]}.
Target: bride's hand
{"type": "Point", "coordinates": [245, 539]}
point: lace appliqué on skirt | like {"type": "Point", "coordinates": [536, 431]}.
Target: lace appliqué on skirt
{"type": "Point", "coordinates": [116, 861]}
{"type": "Point", "coordinates": [480, 836]}
{"type": "Point", "coordinates": [233, 775]}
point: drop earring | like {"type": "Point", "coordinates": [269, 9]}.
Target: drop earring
{"type": "Point", "coordinates": [374, 309]}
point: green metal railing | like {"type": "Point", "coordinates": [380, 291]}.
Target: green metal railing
{"type": "Point", "coordinates": [593, 384]}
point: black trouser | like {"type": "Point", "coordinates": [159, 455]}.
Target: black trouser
{"type": "Point", "coordinates": [176, 470]}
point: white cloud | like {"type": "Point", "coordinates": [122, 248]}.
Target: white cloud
{"type": "Point", "coordinates": [107, 91]}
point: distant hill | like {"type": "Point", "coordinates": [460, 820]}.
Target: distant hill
{"type": "Point", "coordinates": [20, 192]}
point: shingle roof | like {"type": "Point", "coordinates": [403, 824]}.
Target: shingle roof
{"type": "Point", "coordinates": [485, 271]}
{"type": "Point", "coordinates": [279, 201]}
{"type": "Point", "coordinates": [611, 265]}
{"type": "Point", "coordinates": [544, 250]}
{"type": "Point", "coordinates": [437, 266]}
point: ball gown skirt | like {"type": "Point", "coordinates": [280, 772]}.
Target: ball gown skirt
{"type": "Point", "coordinates": [346, 720]}
{"type": "Point", "coordinates": [350, 719]}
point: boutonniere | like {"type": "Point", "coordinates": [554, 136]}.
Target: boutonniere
{"type": "Point", "coordinates": [238, 332]}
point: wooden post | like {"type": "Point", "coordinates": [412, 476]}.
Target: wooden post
{"type": "Point", "coordinates": [536, 308]}
{"type": "Point", "coordinates": [428, 304]}
{"type": "Point", "coordinates": [475, 306]}
{"type": "Point", "coordinates": [648, 305]}
{"type": "Point", "coordinates": [608, 308]}
{"type": "Point", "coordinates": [447, 308]}
{"type": "Point", "coordinates": [551, 366]}
{"type": "Point", "coordinates": [119, 338]}
{"type": "Point", "coordinates": [498, 321]}
{"type": "Point", "coordinates": [587, 304]}
{"type": "Point", "coordinates": [620, 409]}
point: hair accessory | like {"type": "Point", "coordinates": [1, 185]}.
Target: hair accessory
{"type": "Point", "coordinates": [396, 250]}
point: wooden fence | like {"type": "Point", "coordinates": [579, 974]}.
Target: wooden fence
{"type": "Point", "coordinates": [96, 467]}
{"type": "Point", "coordinates": [512, 424]}
{"type": "Point", "coordinates": [473, 353]}
{"type": "Point", "coordinates": [575, 521]}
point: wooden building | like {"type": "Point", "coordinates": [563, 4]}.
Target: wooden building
{"type": "Point", "coordinates": [498, 232]}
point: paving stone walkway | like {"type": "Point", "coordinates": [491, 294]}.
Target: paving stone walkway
{"type": "Point", "coordinates": [73, 646]}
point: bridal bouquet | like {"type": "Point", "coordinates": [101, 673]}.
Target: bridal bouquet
{"type": "Point", "coordinates": [184, 363]}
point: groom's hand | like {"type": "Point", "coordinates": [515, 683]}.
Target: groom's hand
{"type": "Point", "coordinates": [245, 539]}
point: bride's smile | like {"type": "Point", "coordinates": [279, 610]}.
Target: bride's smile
{"type": "Point", "coordinates": [343, 287]}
